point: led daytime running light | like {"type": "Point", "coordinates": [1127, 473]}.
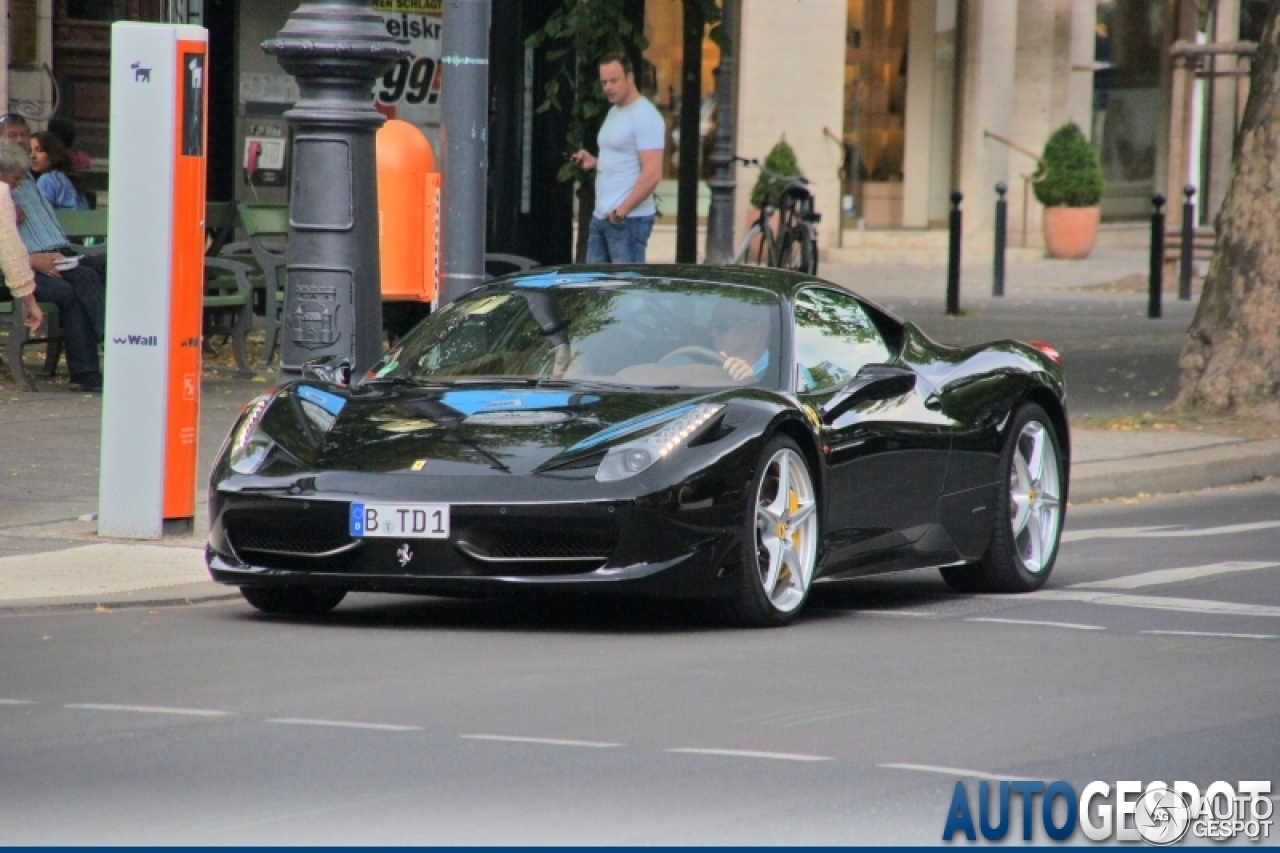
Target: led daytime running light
{"type": "Point", "coordinates": [618, 465]}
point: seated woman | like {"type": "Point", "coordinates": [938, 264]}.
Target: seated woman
{"type": "Point", "coordinates": [56, 178]}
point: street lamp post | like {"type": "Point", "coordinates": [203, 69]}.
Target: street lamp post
{"type": "Point", "coordinates": [464, 132]}
{"type": "Point", "coordinates": [722, 184]}
{"type": "Point", "coordinates": [335, 49]}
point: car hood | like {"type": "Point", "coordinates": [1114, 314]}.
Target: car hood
{"type": "Point", "coordinates": [459, 430]}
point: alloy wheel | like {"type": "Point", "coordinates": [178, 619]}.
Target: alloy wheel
{"type": "Point", "coordinates": [1035, 507]}
{"type": "Point", "coordinates": [786, 530]}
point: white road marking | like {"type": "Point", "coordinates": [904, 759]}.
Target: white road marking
{"type": "Point", "coordinates": [18, 702]}
{"type": "Point", "coordinates": [549, 741]}
{"type": "Point", "coordinates": [1215, 634]}
{"type": "Point", "coordinates": [149, 709]}
{"type": "Point", "coordinates": [1154, 602]}
{"type": "Point", "coordinates": [914, 614]}
{"type": "Point", "coordinates": [1167, 576]}
{"type": "Point", "coordinates": [1163, 532]}
{"type": "Point", "coordinates": [957, 771]}
{"type": "Point", "coordinates": [1074, 625]}
{"type": "Point", "coordinates": [378, 727]}
{"type": "Point", "coordinates": [747, 753]}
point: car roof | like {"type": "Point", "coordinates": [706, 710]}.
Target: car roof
{"type": "Point", "coordinates": [782, 282]}
{"type": "Point", "coordinates": [785, 283]}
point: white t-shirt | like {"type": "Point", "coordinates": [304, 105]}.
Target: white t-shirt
{"type": "Point", "coordinates": [626, 132]}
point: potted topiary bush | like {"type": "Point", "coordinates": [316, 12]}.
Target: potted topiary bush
{"type": "Point", "coordinates": [781, 161]}
{"type": "Point", "coordinates": [1069, 185]}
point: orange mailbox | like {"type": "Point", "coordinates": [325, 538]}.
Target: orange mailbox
{"type": "Point", "coordinates": [408, 213]}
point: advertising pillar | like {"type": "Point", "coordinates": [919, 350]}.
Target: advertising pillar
{"type": "Point", "coordinates": [155, 283]}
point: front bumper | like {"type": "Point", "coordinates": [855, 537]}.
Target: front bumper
{"type": "Point", "coordinates": [614, 546]}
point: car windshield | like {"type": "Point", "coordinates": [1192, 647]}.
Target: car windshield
{"type": "Point", "coordinates": [650, 334]}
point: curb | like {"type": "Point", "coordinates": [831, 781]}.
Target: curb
{"type": "Point", "coordinates": [170, 596]}
{"type": "Point", "coordinates": [1179, 471]}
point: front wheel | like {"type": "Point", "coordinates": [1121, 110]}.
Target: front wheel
{"type": "Point", "coordinates": [756, 249]}
{"type": "Point", "coordinates": [293, 601]}
{"type": "Point", "coordinates": [781, 547]}
{"type": "Point", "coordinates": [1028, 521]}
{"type": "Point", "coordinates": [798, 250]}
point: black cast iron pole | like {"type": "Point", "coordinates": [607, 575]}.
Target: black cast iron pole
{"type": "Point", "coordinates": [333, 297]}
{"type": "Point", "coordinates": [1188, 243]}
{"type": "Point", "coordinates": [953, 254]}
{"type": "Point", "coordinates": [1155, 281]}
{"type": "Point", "coordinates": [1002, 226]}
{"type": "Point", "coordinates": [464, 135]}
{"type": "Point", "coordinates": [690, 135]}
{"type": "Point", "coordinates": [722, 184]}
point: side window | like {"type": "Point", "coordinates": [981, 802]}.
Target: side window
{"type": "Point", "coordinates": [834, 339]}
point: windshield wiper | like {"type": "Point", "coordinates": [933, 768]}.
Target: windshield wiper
{"type": "Point", "coordinates": [404, 381]}
{"type": "Point", "coordinates": [493, 380]}
{"type": "Point", "coordinates": [600, 384]}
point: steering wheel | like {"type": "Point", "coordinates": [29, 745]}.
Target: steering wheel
{"type": "Point", "coordinates": [708, 356]}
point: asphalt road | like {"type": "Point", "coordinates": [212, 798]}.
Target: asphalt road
{"type": "Point", "coordinates": [434, 721]}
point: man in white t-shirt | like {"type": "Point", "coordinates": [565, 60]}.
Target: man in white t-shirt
{"type": "Point", "coordinates": [632, 140]}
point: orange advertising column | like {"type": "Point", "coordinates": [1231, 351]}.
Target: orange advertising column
{"type": "Point", "coordinates": [408, 217]}
{"type": "Point", "coordinates": [155, 289]}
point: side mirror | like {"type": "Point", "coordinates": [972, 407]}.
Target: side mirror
{"type": "Point", "coordinates": [873, 382]}
{"type": "Point", "coordinates": [333, 369]}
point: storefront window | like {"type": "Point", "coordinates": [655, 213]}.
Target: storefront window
{"type": "Point", "coordinates": [875, 111]}
{"type": "Point", "coordinates": [1127, 102]}
{"type": "Point", "coordinates": [659, 80]}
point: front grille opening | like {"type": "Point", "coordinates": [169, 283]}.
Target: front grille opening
{"type": "Point", "coordinates": [311, 532]}
{"type": "Point", "coordinates": [585, 546]}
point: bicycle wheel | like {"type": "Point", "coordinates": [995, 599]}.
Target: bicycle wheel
{"type": "Point", "coordinates": [755, 248]}
{"type": "Point", "coordinates": [796, 251]}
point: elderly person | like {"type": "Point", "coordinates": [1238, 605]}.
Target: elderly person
{"type": "Point", "coordinates": [79, 294]}
{"type": "Point", "coordinates": [19, 280]}
{"type": "Point", "coordinates": [38, 223]}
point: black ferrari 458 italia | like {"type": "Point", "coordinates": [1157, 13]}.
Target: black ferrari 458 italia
{"type": "Point", "coordinates": [731, 434]}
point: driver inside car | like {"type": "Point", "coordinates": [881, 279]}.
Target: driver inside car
{"type": "Point", "coordinates": [741, 334]}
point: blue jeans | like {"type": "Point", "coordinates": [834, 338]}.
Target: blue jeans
{"type": "Point", "coordinates": [619, 244]}
{"type": "Point", "coordinates": [81, 301]}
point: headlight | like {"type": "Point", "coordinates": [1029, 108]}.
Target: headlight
{"type": "Point", "coordinates": [249, 449]}
{"type": "Point", "coordinates": [627, 460]}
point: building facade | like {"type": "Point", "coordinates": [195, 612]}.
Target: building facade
{"type": "Point", "coordinates": [889, 104]}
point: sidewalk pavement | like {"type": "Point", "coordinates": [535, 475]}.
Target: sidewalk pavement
{"type": "Point", "coordinates": [1120, 366]}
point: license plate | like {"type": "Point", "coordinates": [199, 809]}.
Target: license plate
{"type": "Point", "coordinates": [400, 521]}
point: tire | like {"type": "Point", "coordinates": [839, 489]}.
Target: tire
{"type": "Point", "coordinates": [780, 547]}
{"type": "Point", "coordinates": [1028, 524]}
{"type": "Point", "coordinates": [293, 601]}
{"type": "Point", "coordinates": [796, 250]}
{"type": "Point", "coordinates": [756, 248]}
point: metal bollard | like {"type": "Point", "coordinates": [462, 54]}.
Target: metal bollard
{"type": "Point", "coordinates": [953, 255]}
{"type": "Point", "coordinates": [1002, 227]}
{"type": "Point", "coordinates": [1188, 243]}
{"type": "Point", "coordinates": [1156, 281]}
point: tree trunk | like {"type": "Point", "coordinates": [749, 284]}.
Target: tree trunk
{"type": "Point", "coordinates": [1230, 363]}
{"type": "Point", "coordinates": [690, 134]}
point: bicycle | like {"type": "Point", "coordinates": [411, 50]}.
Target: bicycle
{"type": "Point", "coordinates": [794, 243]}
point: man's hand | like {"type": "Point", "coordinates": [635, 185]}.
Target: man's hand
{"type": "Point", "coordinates": [583, 159]}
{"type": "Point", "coordinates": [43, 263]}
{"type": "Point", "coordinates": [737, 369]}
{"type": "Point", "coordinates": [32, 316]}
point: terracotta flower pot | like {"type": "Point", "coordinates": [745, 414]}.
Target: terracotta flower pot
{"type": "Point", "coordinates": [1070, 232]}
